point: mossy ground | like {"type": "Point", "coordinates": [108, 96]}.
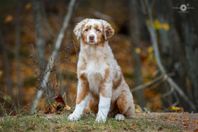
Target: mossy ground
{"type": "Point", "coordinates": [140, 122]}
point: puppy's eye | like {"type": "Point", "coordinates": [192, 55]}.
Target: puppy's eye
{"type": "Point", "coordinates": [98, 30]}
{"type": "Point", "coordinates": [86, 29]}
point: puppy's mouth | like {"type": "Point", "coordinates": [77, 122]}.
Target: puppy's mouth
{"type": "Point", "coordinates": [92, 42]}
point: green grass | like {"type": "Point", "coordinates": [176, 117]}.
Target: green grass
{"type": "Point", "coordinates": [44, 123]}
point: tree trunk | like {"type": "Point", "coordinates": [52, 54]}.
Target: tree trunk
{"type": "Point", "coordinates": [191, 49]}
{"type": "Point", "coordinates": [19, 82]}
{"type": "Point", "coordinates": [7, 65]}
{"type": "Point", "coordinates": [40, 39]}
{"type": "Point", "coordinates": [135, 40]}
{"type": "Point", "coordinates": [187, 28]}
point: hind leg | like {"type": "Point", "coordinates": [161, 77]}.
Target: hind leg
{"type": "Point", "coordinates": [125, 105]}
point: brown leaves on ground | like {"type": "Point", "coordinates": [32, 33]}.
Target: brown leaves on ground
{"type": "Point", "coordinates": [57, 106]}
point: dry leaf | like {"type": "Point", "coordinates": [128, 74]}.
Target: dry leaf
{"type": "Point", "coordinates": [8, 19]}
{"type": "Point", "coordinates": [67, 107]}
{"type": "Point", "coordinates": [176, 109]}
{"type": "Point", "coordinates": [138, 109]}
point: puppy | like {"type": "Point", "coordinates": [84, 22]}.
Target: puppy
{"type": "Point", "coordinates": [101, 84]}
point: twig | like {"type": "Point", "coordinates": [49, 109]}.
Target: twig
{"type": "Point", "coordinates": [168, 93]}
{"type": "Point", "coordinates": [148, 84]}
{"type": "Point", "coordinates": [53, 56]}
{"type": "Point", "coordinates": [158, 60]}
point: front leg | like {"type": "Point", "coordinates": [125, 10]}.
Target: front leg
{"type": "Point", "coordinates": [81, 100]}
{"type": "Point", "coordinates": [105, 93]}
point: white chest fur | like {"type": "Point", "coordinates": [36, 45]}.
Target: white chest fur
{"type": "Point", "coordinates": [97, 61]}
{"type": "Point", "coordinates": [95, 74]}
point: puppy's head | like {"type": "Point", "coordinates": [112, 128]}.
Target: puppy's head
{"type": "Point", "coordinates": [93, 31]}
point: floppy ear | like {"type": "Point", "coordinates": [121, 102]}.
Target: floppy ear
{"type": "Point", "coordinates": [108, 30]}
{"type": "Point", "coordinates": [78, 28]}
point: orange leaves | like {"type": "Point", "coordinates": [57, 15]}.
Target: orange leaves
{"type": "Point", "coordinates": [8, 19]}
{"type": "Point", "coordinates": [57, 106]}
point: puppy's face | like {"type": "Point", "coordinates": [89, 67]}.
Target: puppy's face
{"type": "Point", "coordinates": [93, 31]}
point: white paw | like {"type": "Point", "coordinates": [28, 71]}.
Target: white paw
{"type": "Point", "coordinates": [119, 117]}
{"type": "Point", "coordinates": [100, 119]}
{"type": "Point", "coordinates": [73, 117]}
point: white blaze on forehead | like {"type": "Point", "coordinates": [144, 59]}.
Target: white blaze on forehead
{"type": "Point", "coordinates": [94, 22]}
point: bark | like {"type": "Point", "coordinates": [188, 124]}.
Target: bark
{"type": "Point", "coordinates": [191, 49]}
{"type": "Point", "coordinates": [135, 40]}
{"type": "Point", "coordinates": [40, 39]}
{"type": "Point", "coordinates": [6, 66]}
{"type": "Point", "coordinates": [19, 82]}
{"type": "Point", "coordinates": [165, 16]}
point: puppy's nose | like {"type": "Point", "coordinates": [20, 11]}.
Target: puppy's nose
{"type": "Point", "coordinates": [91, 37]}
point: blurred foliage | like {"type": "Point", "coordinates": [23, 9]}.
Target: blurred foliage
{"type": "Point", "coordinates": [159, 25]}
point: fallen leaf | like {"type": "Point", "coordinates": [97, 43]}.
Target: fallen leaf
{"type": "Point", "coordinates": [67, 107]}
{"type": "Point", "coordinates": [176, 109]}
{"type": "Point", "coordinates": [138, 109]}
{"type": "Point", "coordinates": [59, 99]}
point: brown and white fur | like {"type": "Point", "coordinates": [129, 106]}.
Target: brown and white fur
{"type": "Point", "coordinates": [101, 84]}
